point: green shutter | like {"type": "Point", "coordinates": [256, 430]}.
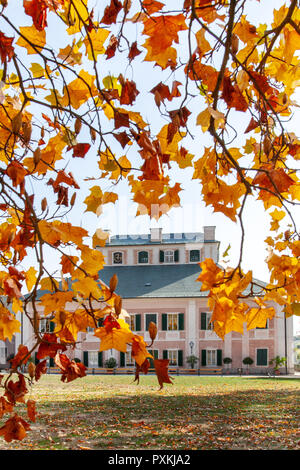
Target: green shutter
{"type": "Point", "coordinates": [203, 357]}
{"type": "Point", "coordinates": [180, 358]}
{"type": "Point", "coordinates": [262, 357]}
{"type": "Point", "coordinates": [203, 320]}
{"type": "Point", "coordinates": [122, 359]}
{"type": "Point", "coordinates": [165, 354]}
{"type": "Point", "coordinates": [176, 256]}
{"type": "Point", "coordinates": [161, 256]}
{"type": "Point", "coordinates": [86, 358]}
{"type": "Point", "coordinates": [100, 359]}
{"type": "Point", "coordinates": [36, 361]}
{"type": "Point", "coordinates": [52, 326]}
{"type": "Point", "coordinates": [164, 321]}
{"type": "Point", "coordinates": [51, 362]}
{"type": "Point", "coordinates": [150, 317]}
{"type": "Point", "coordinates": [154, 353]}
{"type": "Point", "coordinates": [138, 322]}
{"type": "Point", "coordinates": [219, 357]}
{"type": "Point", "coordinates": [181, 321]}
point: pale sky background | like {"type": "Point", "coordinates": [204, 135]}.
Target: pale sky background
{"type": "Point", "coordinates": [192, 215]}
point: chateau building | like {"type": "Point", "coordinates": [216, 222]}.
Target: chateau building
{"type": "Point", "coordinates": [157, 280]}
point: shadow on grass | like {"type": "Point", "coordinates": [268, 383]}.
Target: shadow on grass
{"type": "Point", "coordinates": [249, 419]}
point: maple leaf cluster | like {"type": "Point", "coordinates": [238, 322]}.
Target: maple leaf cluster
{"type": "Point", "coordinates": [201, 89]}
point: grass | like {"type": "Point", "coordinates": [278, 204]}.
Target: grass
{"type": "Point", "coordinates": [208, 413]}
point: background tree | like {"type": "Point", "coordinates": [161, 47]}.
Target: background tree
{"type": "Point", "coordinates": [72, 113]}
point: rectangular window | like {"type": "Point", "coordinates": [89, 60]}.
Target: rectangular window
{"type": "Point", "coordinates": [172, 356]}
{"type": "Point", "coordinates": [45, 325]}
{"type": "Point", "coordinates": [211, 357]}
{"type": "Point", "coordinates": [118, 258]}
{"type": "Point", "coordinates": [148, 318]}
{"type": "Point", "coordinates": [169, 256]}
{"type": "Point", "coordinates": [135, 322]}
{"type": "Point", "coordinates": [263, 327]}
{"type": "Point", "coordinates": [205, 323]}
{"type": "Point", "coordinates": [194, 256]}
{"type": "Point", "coordinates": [262, 357]}
{"type": "Point", "coordinates": [172, 321]}
{"type": "Point", "coordinates": [2, 352]}
{"type": "Point", "coordinates": [129, 361]}
{"type": "Point", "coordinates": [93, 358]}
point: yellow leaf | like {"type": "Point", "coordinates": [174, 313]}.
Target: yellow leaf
{"type": "Point", "coordinates": [117, 338]}
{"type": "Point", "coordinates": [8, 324]}
{"type": "Point", "coordinates": [30, 277]}
{"type": "Point", "coordinates": [35, 37]}
{"type": "Point", "coordinates": [97, 38]}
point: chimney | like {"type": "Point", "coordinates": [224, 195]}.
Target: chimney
{"type": "Point", "coordinates": [156, 234]}
{"type": "Point", "coordinates": [209, 233]}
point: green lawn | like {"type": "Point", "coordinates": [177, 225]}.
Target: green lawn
{"type": "Point", "coordinates": [112, 412]}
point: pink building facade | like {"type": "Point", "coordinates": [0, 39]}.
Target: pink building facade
{"type": "Point", "coordinates": [157, 280]}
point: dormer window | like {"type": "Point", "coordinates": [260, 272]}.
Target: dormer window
{"type": "Point", "coordinates": [117, 257]}
{"type": "Point", "coordinates": [143, 257]}
{"type": "Point", "coordinates": [194, 256]}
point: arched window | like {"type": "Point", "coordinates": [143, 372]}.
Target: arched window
{"type": "Point", "coordinates": [143, 257]}
{"type": "Point", "coordinates": [118, 257]}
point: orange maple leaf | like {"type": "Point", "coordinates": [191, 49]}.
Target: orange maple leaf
{"type": "Point", "coordinates": [70, 370]}
{"type": "Point", "coordinates": [161, 369]}
{"type": "Point", "coordinates": [14, 428]}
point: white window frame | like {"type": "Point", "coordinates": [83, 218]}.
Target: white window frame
{"type": "Point", "coordinates": [169, 256]}
{"type": "Point", "coordinates": [44, 325]}
{"type": "Point", "coordinates": [113, 256]}
{"type": "Point", "coordinates": [174, 352]}
{"type": "Point", "coordinates": [210, 360]}
{"type": "Point", "coordinates": [172, 315]}
{"type": "Point", "coordinates": [93, 355]}
{"type": "Point", "coordinates": [129, 361]}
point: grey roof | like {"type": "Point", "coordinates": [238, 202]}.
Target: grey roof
{"type": "Point", "coordinates": [155, 280]}
{"type": "Point", "coordinates": [145, 239]}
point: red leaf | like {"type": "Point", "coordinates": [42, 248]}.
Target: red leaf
{"type": "Point", "coordinates": [49, 346]}
{"type": "Point", "coordinates": [15, 391]}
{"type": "Point", "coordinates": [252, 125]}
{"type": "Point", "coordinates": [129, 92]}
{"type": "Point", "coordinates": [122, 138]}
{"type": "Point", "coordinates": [134, 51]}
{"type": "Point", "coordinates": [233, 96]}
{"type": "Point", "coordinates": [31, 411]}
{"type": "Point", "coordinates": [37, 9]}
{"type": "Point", "coordinates": [80, 150]}
{"type": "Point", "coordinates": [14, 428]}
{"type": "Point", "coordinates": [20, 357]}
{"type": "Point", "coordinates": [143, 368]}
{"type": "Point", "coordinates": [111, 48]}
{"type": "Point", "coordinates": [71, 370]}
{"type": "Point", "coordinates": [111, 12]}
{"type": "Point", "coordinates": [161, 369]}
{"type": "Point", "coordinates": [121, 119]}
{"type": "Point", "coordinates": [40, 368]}
{"type": "Point", "coordinates": [6, 49]}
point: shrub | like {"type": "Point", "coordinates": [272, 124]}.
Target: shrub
{"type": "Point", "coordinates": [110, 363]}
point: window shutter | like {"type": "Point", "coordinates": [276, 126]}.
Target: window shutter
{"type": "Point", "coordinates": [86, 358]}
{"type": "Point", "coordinates": [100, 322]}
{"type": "Point", "coordinates": [181, 321]}
{"type": "Point", "coordinates": [52, 326]}
{"type": "Point", "coordinates": [51, 362]}
{"type": "Point", "coordinates": [203, 320]}
{"type": "Point", "coordinates": [161, 256]}
{"type": "Point", "coordinates": [138, 322]}
{"type": "Point", "coordinates": [176, 256]}
{"type": "Point", "coordinates": [165, 354]}
{"type": "Point", "coordinates": [36, 361]}
{"type": "Point", "coordinates": [122, 359]}
{"type": "Point", "coordinates": [219, 357]}
{"type": "Point", "coordinates": [180, 358]}
{"type": "Point", "coordinates": [203, 357]}
{"type": "Point", "coordinates": [100, 359]}
{"type": "Point", "coordinates": [164, 321]}
{"type": "Point", "coordinates": [262, 357]}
